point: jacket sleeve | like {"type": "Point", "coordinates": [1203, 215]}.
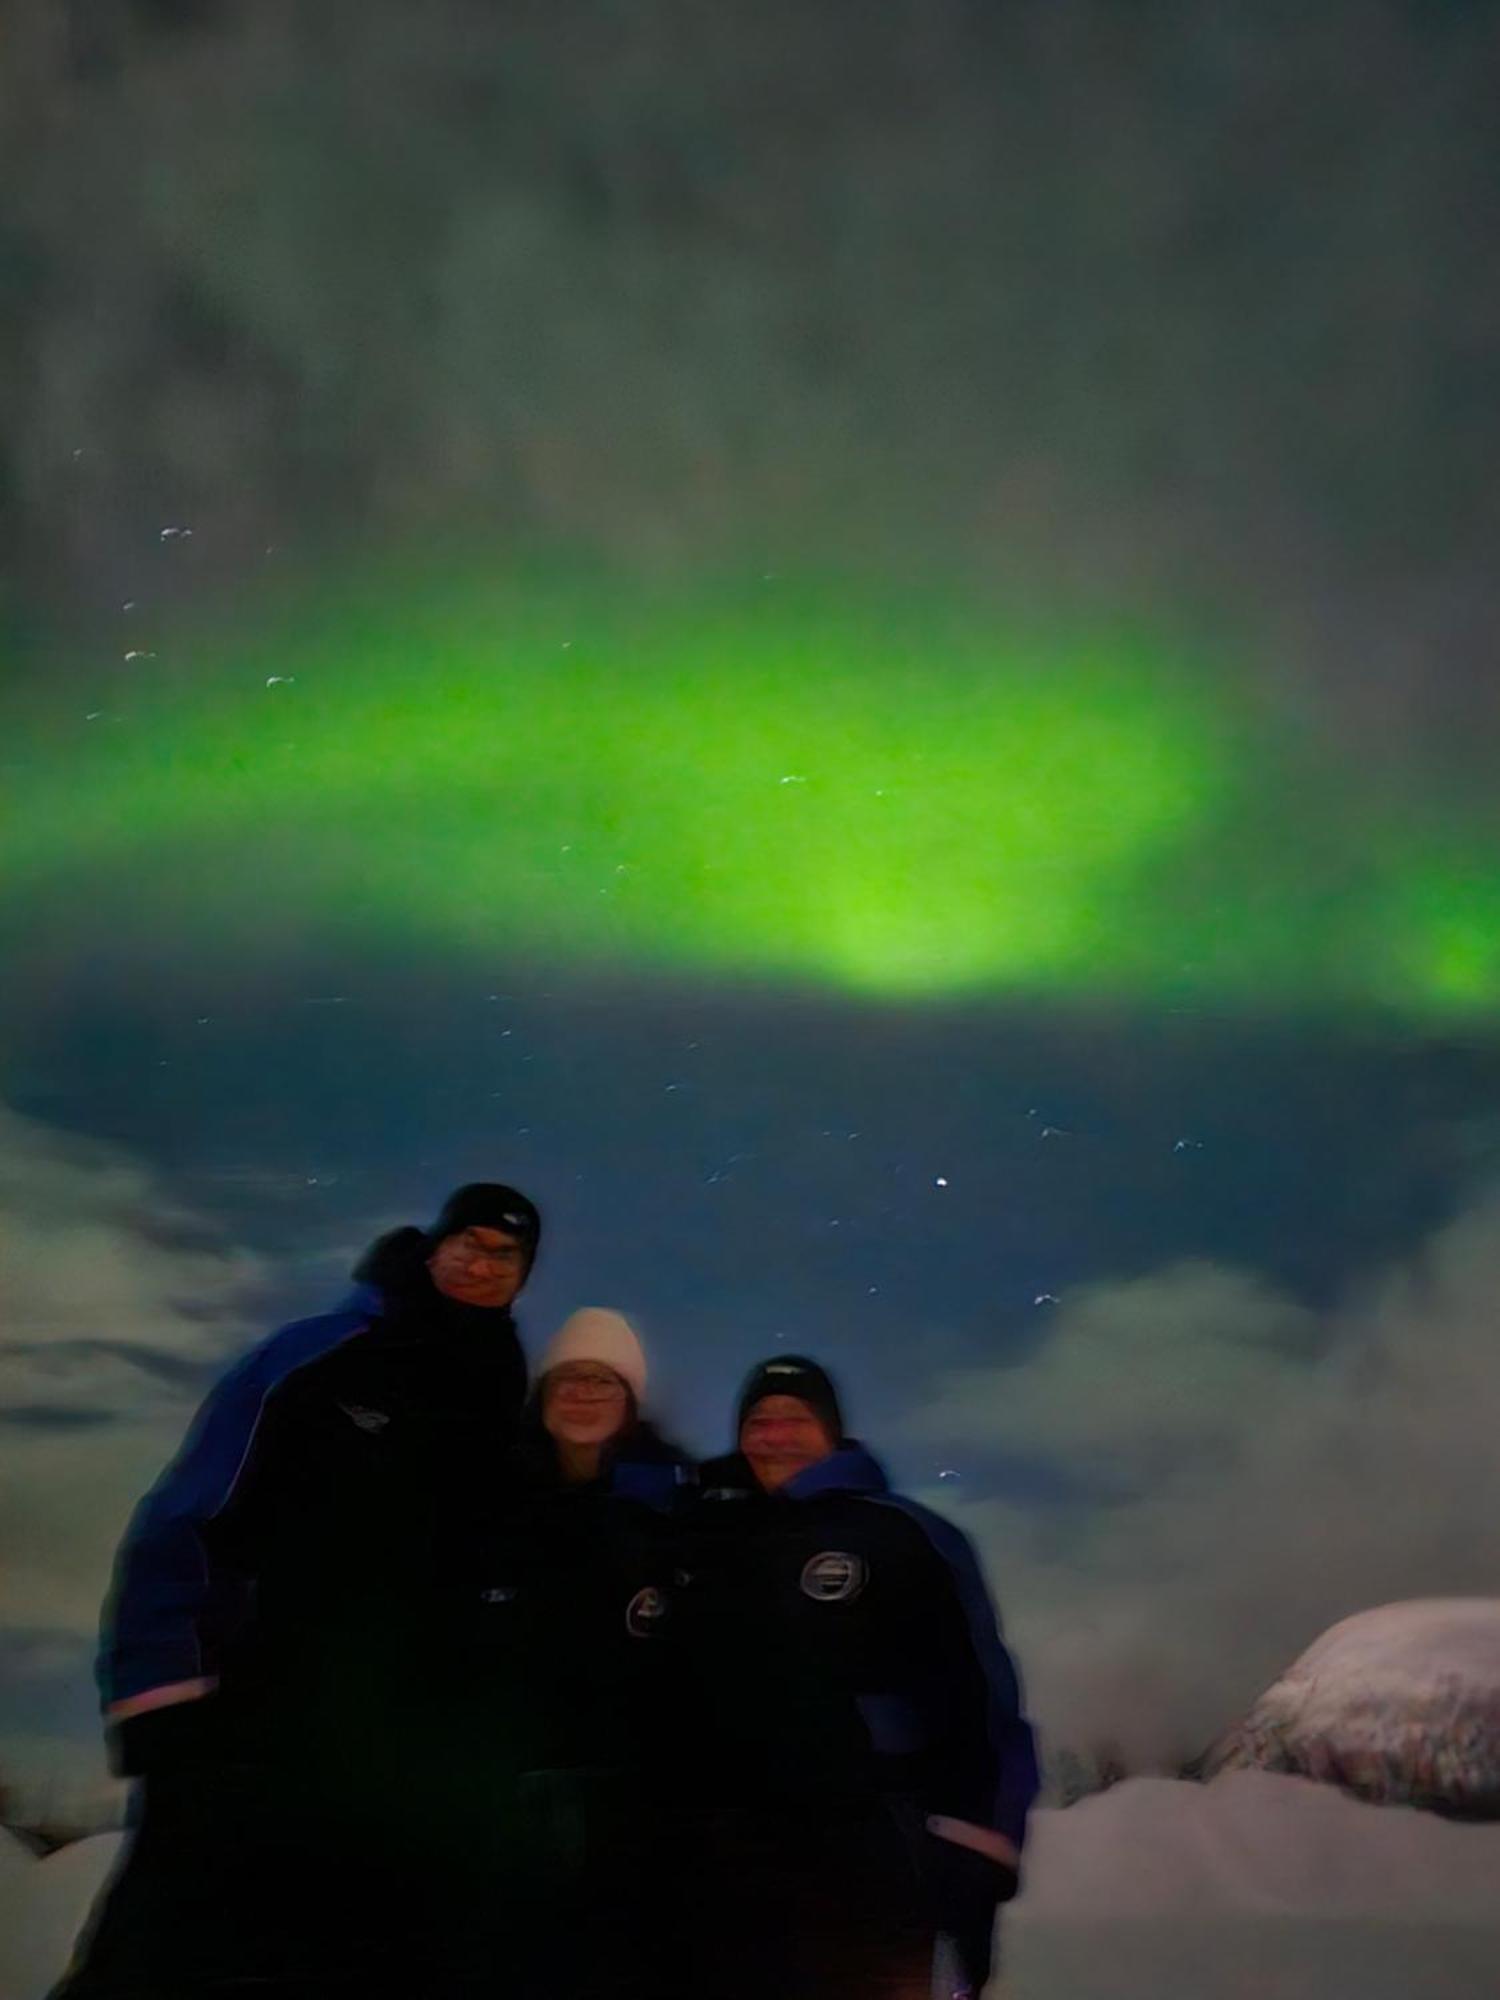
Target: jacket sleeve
{"type": "Point", "coordinates": [993, 1737]}
{"type": "Point", "coordinates": [173, 1601]}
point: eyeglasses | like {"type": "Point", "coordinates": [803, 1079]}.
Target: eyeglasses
{"type": "Point", "coordinates": [600, 1388]}
{"type": "Point", "coordinates": [508, 1254]}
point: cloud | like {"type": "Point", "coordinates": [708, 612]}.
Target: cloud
{"type": "Point", "coordinates": [1247, 1471]}
{"type": "Point", "coordinates": [118, 1306]}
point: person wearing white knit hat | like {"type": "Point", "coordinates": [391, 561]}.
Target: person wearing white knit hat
{"type": "Point", "coordinates": [587, 1588]}
{"type": "Point", "coordinates": [597, 1333]}
{"type": "Point", "coordinates": [591, 1384]}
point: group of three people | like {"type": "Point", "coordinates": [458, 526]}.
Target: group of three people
{"type": "Point", "coordinates": [437, 1689]}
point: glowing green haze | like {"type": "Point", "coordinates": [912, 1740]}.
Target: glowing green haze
{"type": "Point", "coordinates": [892, 798]}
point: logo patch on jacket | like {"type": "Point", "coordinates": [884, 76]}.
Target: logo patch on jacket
{"type": "Point", "coordinates": [366, 1420]}
{"type": "Point", "coordinates": [645, 1612]}
{"type": "Point", "coordinates": [834, 1576]}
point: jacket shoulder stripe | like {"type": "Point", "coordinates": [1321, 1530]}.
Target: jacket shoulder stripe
{"type": "Point", "coordinates": [201, 1477]}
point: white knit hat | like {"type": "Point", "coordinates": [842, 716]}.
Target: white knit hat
{"type": "Point", "coordinates": [594, 1333]}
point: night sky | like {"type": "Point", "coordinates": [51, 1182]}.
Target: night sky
{"type": "Point", "coordinates": [854, 643]}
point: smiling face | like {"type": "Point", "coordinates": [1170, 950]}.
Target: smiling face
{"type": "Point", "coordinates": [781, 1436]}
{"type": "Point", "coordinates": [479, 1266]}
{"type": "Point", "coordinates": [584, 1403]}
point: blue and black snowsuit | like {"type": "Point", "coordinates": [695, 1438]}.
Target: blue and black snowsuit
{"type": "Point", "coordinates": [285, 1605]}
{"type": "Point", "coordinates": [844, 1679]}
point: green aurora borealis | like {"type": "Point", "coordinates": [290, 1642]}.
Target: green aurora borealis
{"type": "Point", "coordinates": [890, 797]}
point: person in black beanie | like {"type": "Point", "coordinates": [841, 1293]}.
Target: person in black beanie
{"type": "Point", "coordinates": [856, 1767]}
{"type": "Point", "coordinates": [280, 1613]}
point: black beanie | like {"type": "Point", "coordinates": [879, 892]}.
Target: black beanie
{"type": "Point", "coordinates": [489, 1205]}
{"type": "Point", "coordinates": [791, 1375]}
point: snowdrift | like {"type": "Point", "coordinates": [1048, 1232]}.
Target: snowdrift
{"type": "Point", "coordinates": [1254, 1844]}
{"type": "Point", "coordinates": [1253, 1887]}
{"type": "Point", "coordinates": [1400, 1705]}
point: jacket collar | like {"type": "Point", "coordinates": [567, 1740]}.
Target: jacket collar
{"type": "Point", "coordinates": [851, 1469]}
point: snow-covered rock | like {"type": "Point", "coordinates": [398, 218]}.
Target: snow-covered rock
{"type": "Point", "coordinates": [1400, 1705]}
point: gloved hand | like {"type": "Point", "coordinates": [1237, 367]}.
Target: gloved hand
{"type": "Point", "coordinates": [974, 1867]}
{"type": "Point", "coordinates": [971, 1871]}
{"type": "Point", "coordinates": [178, 1736]}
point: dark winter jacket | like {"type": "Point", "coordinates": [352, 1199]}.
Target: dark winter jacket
{"type": "Point", "coordinates": [322, 1496]}
{"type": "Point", "coordinates": [576, 1607]}
{"type": "Point", "coordinates": [839, 1641]}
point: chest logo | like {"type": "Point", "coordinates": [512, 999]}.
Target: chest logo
{"type": "Point", "coordinates": [363, 1419]}
{"type": "Point", "coordinates": [834, 1577]}
{"type": "Point", "coordinates": [645, 1612]}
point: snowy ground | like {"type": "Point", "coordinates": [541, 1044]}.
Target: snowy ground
{"type": "Point", "coordinates": [1254, 1887]}
{"type": "Point", "coordinates": [1245, 1958]}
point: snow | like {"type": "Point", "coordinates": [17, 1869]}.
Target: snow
{"type": "Point", "coordinates": [42, 1908]}
{"type": "Point", "coordinates": [1254, 1885]}
{"type": "Point", "coordinates": [1255, 1844]}
{"type": "Point", "coordinates": [1244, 1958]}
{"type": "Point", "coordinates": [1400, 1704]}
{"type": "Point", "coordinates": [1271, 1880]}
{"type": "Point", "coordinates": [15, 1861]}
